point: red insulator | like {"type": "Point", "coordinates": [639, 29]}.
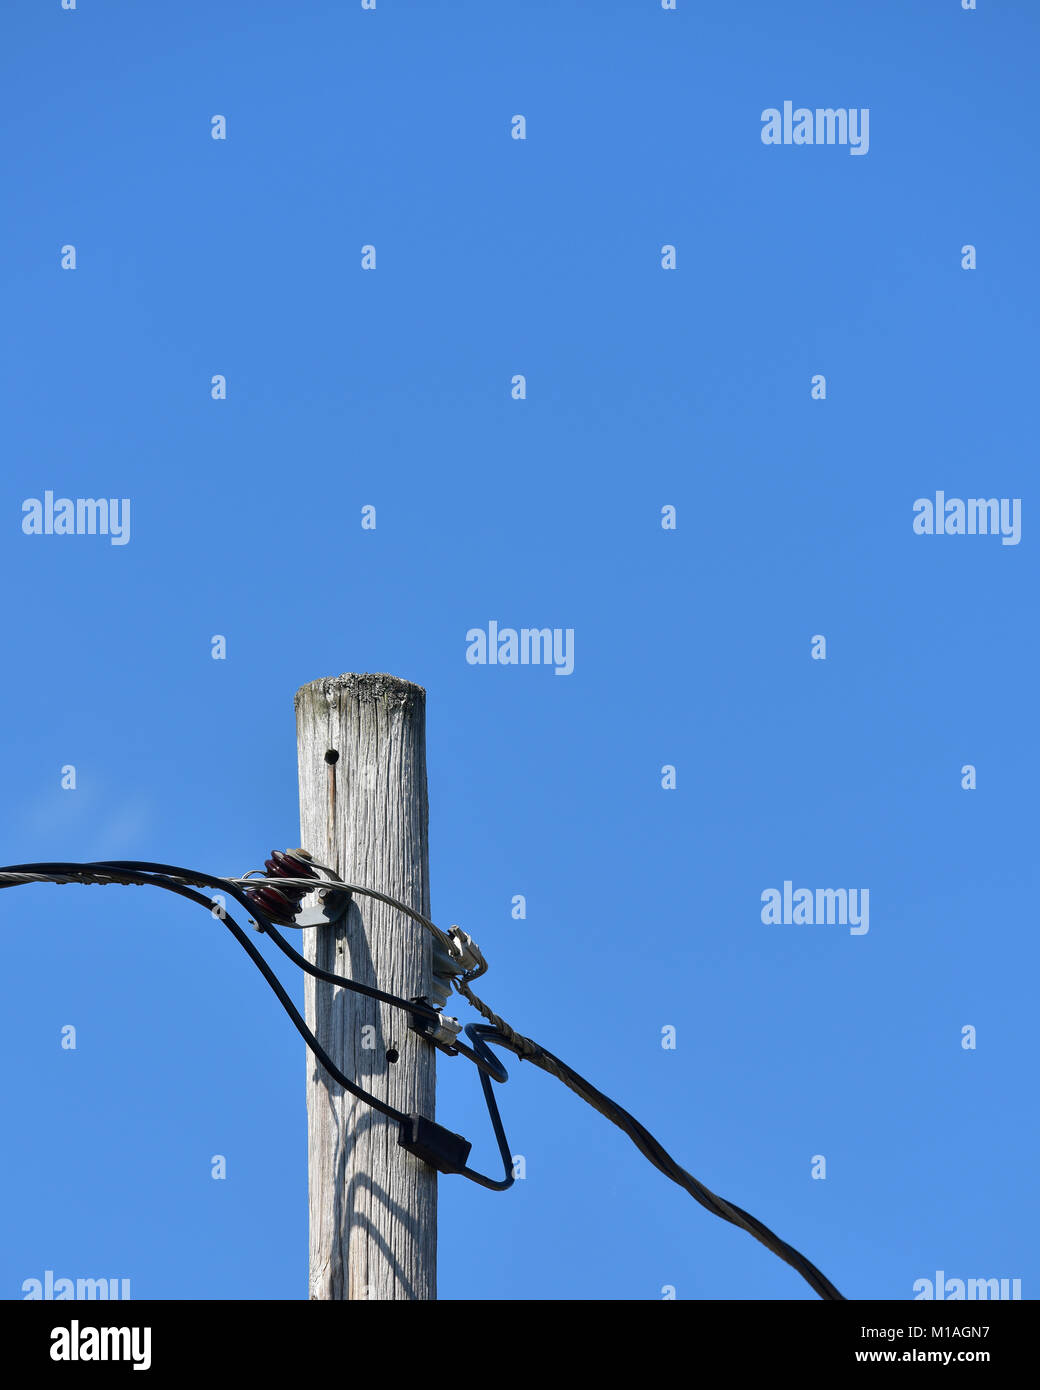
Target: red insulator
{"type": "Point", "coordinates": [282, 904]}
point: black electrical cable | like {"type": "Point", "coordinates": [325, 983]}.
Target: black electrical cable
{"type": "Point", "coordinates": [661, 1159]}
{"type": "Point", "coordinates": [142, 872]}
{"type": "Point", "coordinates": [476, 1032]}
{"type": "Point", "coordinates": [81, 872]}
{"type": "Point", "coordinates": [411, 1006]}
{"type": "Point", "coordinates": [300, 1025]}
{"type": "Point", "coordinates": [176, 880]}
{"type": "Point", "coordinates": [165, 875]}
{"type": "Point", "coordinates": [192, 876]}
{"type": "Point", "coordinates": [136, 872]}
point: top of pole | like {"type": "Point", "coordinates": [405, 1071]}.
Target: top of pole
{"type": "Point", "coordinates": [365, 687]}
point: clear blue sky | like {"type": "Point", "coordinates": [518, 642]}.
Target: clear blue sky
{"type": "Point", "coordinates": [645, 388]}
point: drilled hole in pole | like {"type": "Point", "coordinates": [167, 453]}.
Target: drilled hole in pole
{"type": "Point", "coordinates": [332, 756]}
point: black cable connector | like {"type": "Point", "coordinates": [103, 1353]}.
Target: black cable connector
{"type": "Point", "coordinates": [434, 1144]}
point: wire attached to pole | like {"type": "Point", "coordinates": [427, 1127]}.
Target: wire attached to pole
{"type": "Point", "coordinates": [277, 897]}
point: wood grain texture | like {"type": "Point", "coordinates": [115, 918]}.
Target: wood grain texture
{"type": "Point", "coordinates": [373, 1206]}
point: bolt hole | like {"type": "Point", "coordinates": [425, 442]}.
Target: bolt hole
{"type": "Point", "coordinates": [332, 757]}
{"type": "Point", "coordinates": [392, 1054]}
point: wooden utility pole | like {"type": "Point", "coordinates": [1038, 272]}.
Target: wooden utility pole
{"type": "Point", "coordinates": [361, 742]}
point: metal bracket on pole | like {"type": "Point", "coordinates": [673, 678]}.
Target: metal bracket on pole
{"type": "Point", "coordinates": [331, 907]}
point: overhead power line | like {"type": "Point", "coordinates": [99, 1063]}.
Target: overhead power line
{"type": "Point", "coordinates": [274, 899]}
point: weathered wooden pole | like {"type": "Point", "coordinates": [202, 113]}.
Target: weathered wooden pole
{"type": "Point", "coordinates": [361, 742]}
